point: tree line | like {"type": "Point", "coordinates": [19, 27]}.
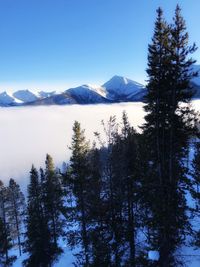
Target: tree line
{"type": "Point", "coordinates": [125, 195]}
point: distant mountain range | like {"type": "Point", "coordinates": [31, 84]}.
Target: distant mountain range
{"type": "Point", "coordinates": [117, 89]}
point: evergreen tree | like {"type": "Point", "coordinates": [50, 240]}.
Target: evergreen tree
{"type": "Point", "coordinates": [5, 239]}
{"type": "Point", "coordinates": [38, 242]}
{"type": "Point", "coordinates": [112, 190]}
{"type": "Point", "coordinates": [120, 192]}
{"type": "Point", "coordinates": [53, 201]}
{"type": "Point", "coordinates": [195, 190]}
{"type": "Point", "coordinates": [16, 207]}
{"type": "Point", "coordinates": [131, 188]}
{"type": "Point", "coordinates": [79, 180]}
{"type": "Point", "coordinates": [167, 130]}
{"type": "Point", "coordinates": [97, 212]}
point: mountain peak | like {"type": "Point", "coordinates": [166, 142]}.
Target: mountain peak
{"type": "Point", "coordinates": [121, 87]}
{"type": "Point", "coordinates": [25, 95]}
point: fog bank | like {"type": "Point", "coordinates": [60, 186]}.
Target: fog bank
{"type": "Point", "coordinates": [28, 133]}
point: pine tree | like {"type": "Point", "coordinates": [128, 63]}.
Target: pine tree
{"type": "Point", "coordinates": [38, 243]}
{"type": "Point", "coordinates": [97, 212]}
{"type": "Point", "coordinates": [195, 190]}
{"type": "Point", "coordinates": [16, 207]}
{"type": "Point", "coordinates": [112, 190]}
{"type": "Point", "coordinates": [131, 188]}
{"type": "Point", "coordinates": [53, 201]}
{"type": "Point", "coordinates": [120, 192]}
{"type": "Point", "coordinates": [5, 239]}
{"type": "Point", "coordinates": [5, 245]}
{"type": "Point", "coordinates": [168, 129]}
{"type": "Point", "coordinates": [79, 181]}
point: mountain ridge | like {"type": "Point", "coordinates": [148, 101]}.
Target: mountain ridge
{"type": "Point", "coordinates": [117, 89]}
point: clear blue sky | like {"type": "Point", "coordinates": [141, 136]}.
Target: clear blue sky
{"type": "Point", "coordinates": [62, 43]}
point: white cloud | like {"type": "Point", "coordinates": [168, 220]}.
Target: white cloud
{"type": "Point", "coordinates": [28, 133]}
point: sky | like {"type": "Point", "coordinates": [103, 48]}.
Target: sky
{"type": "Point", "coordinates": [57, 44]}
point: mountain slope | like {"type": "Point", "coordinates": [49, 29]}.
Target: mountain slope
{"type": "Point", "coordinates": [86, 94]}
{"type": "Point", "coordinates": [7, 99]}
{"type": "Point", "coordinates": [25, 96]}
{"type": "Point", "coordinates": [59, 99]}
{"type": "Point", "coordinates": [123, 89]}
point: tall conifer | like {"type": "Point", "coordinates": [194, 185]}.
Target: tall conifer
{"type": "Point", "coordinates": [16, 208]}
{"type": "Point", "coordinates": [38, 242]}
{"type": "Point", "coordinates": [52, 197]}
{"type": "Point", "coordinates": [5, 239]}
{"type": "Point", "coordinates": [168, 129]}
{"type": "Point", "coordinates": [79, 179]}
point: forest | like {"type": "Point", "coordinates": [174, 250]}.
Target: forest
{"type": "Point", "coordinates": [128, 199]}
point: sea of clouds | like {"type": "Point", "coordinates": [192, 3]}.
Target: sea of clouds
{"type": "Point", "coordinates": [28, 133]}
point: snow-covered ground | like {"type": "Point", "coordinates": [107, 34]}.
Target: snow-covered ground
{"type": "Point", "coordinates": [28, 133]}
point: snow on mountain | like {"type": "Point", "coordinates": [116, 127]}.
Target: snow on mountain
{"type": "Point", "coordinates": [117, 89]}
{"type": "Point", "coordinates": [43, 94]}
{"type": "Point", "coordinates": [57, 99]}
{"type": "Point", "coordinates": [87, 94]}
{"type": "Point", "coordinates": [25, 95]}
{"type": "Point", "coordinates": [122, 89]}
{"type": "Point", "coordinates": [6, 99]}
{"type": "Point", "coordinates": [98, 89]}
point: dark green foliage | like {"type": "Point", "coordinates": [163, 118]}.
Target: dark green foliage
{"type": "Point", "coordinates": [195, 192]}
{"type": "Point", "coordinates": [52, 198]}
{"type": "Point", "coordinates": [16, 208]}
{"type": "Point", "coordinates": [5, 245]}
{"type": "Point", "coordinates": [38, 244]}
{"type": "Point", "coordinates": [167, 132]}
{"type": "Point", "coordinates": [5, 240]}
{"type": "Point", "coordinates": [98, 216]}
{"type": "Point", "coordinates": [196, 174]}
{"type": "Point", "coordinates": [79, 181]}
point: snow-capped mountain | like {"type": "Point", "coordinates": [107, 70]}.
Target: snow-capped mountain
{"type": "Point", "coordinates": [119, 89]}
{"type": "Point", "coordinates": [7, 99]}
{"type": "Point", "coordinates": [87, 94]}
{"type": "Point", "coordinates": [43, 94]}
{"type": "Point", "coordinates": [55, 99]}
{"type": "Point", "coordinates": [25, 96]}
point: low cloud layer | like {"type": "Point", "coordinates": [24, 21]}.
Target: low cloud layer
{"type": "Point", "coordinates": [28, 133]}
